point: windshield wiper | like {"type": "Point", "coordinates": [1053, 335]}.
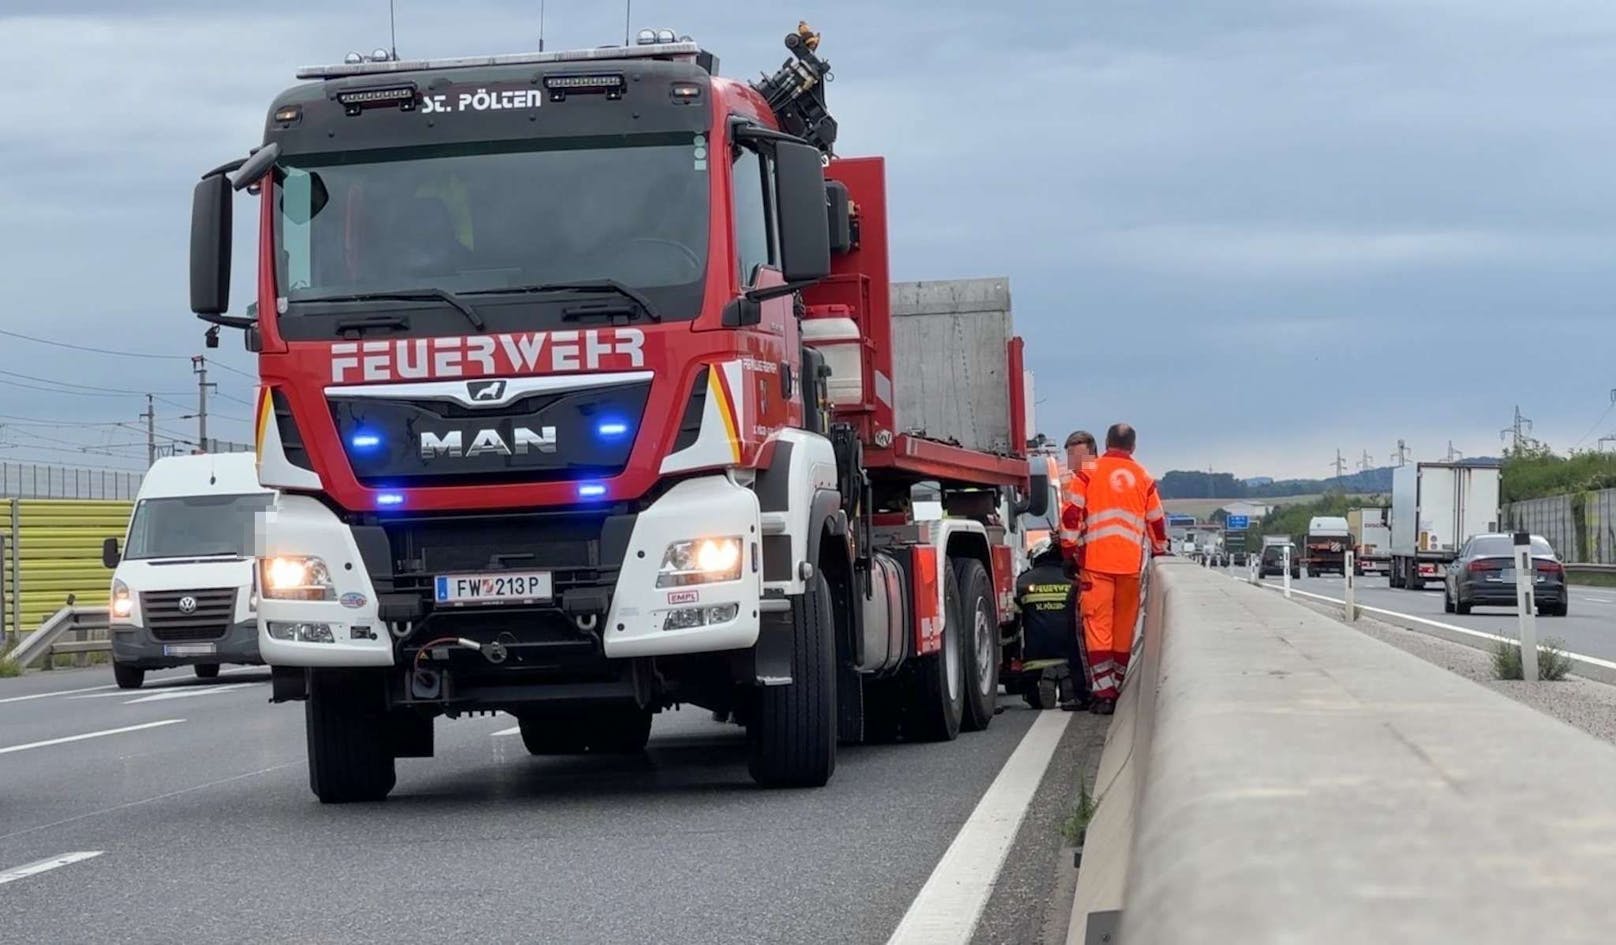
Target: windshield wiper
{"type": "Point", "coordinates": [411, 295]}
{"type": "Point", "coordinates": [600, 286]}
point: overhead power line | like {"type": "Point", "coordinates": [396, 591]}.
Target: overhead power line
{"type": "Point", "coordinates": [52, 380]}
{"type": "Point", "coordinates": [95, 350]}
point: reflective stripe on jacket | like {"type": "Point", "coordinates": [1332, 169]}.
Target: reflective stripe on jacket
{"type": "Point", "coordinates": [1119, 508]}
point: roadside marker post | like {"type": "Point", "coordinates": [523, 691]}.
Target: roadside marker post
{"type": "Point", "coordinates": [1524, 594]}
{"type": "Point", "coordinates": [1287, 564]}
{"type": "Point", "coordinates": [1352, 604]}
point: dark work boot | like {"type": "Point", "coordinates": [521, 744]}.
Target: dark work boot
{"type": "Point", "coordinates": [1103, 706]}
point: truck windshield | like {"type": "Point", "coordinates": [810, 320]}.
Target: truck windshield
{"type": "Point", "coordinates": [194, 526]}
{"type": "Point", "coordinates": [485, 217]}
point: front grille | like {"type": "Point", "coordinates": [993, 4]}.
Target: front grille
{"type": "Point", "coordinates": [215, 611]}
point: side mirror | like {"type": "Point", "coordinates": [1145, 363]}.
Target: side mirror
{"type": "Point", "coordinates": [210, 245]}
{"type": "Point", "coordinates": [109, 553]}
{"type": "Point", "coordinates": [1036, 503]}
{"type": "Point", "coordinates": [799, 182]}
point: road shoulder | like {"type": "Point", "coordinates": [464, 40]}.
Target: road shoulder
{"type": "Point", "coordinates": [1582, 703]}
{"type": "Point", "coordinates": [1032, 897]}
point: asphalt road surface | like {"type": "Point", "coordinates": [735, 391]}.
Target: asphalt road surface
{"type": "Point", "coordinates": [181, 813]}
{"type": "Point", "coordinates": [1589, 628]}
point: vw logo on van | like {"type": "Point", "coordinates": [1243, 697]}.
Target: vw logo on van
{"type": "Point", "coordinates": [187, 605]}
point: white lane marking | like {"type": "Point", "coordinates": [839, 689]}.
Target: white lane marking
{"type": "Point", "coordinates": [42, 866]}
{"type": "Point", "coordinates": [47, 695]}
{"type": "Point", "coordinates": [166, 694]}
{"type": "Point", "coordinates": [148, 800]}
{"type": "Point", "coordinates": [513, 730]}
{"type": "Point", "coordinates": [1597, 600]}
{"type": "Point", "coordinates": [950, 904]}
{"type": "Point", "coordinates": [80, 738]}
{"type": "Point", "coordinates": [1479, 634]}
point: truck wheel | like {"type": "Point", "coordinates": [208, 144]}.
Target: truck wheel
{"type": "Point", "coordinates": [126, 676]}
{"type": "Point", "coordinates": [206, 670]}
{"type": "Point", "coordinates": [619, 730]}
{"type": "Point", "coordinates": [1415, 582]}
{"type": "Point", "coordinates": [350, 754]}
{"type": "Point", "coordinates": [980, 621]}
{"type": "Point", "coordinates": [883, 711]}
{"type": "Point", "coordinates": [792, 733]}
{"type": "Point", "coordinates": [937, 698]}
{"type": "Point", "coordinates": [552, 733]}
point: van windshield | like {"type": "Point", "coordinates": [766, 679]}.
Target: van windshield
{"type": "Point", "coordinates": [194, 526]}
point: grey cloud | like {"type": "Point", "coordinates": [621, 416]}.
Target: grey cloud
{"type": "Point", "coordinates": [1214, 215]}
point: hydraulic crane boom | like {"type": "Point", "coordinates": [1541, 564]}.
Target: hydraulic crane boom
{"type": "Point", "coordinates": [796, 91]}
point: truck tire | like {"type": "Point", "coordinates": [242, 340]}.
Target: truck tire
{"type": "Point", "coordinates": [980, 621]}
{"type": "Point", "coordinates": [126, 676]}
{"type": "Point", "coordinates": [937, 696]}
{"type": "Point", "coordinates": [206, 670]}
{"type": "Point", "coordinates": [552, 733]}
{"type": "Point", "coordinates": [350, 754]}
{"type": "Point", "coordinates": [791, 736]}
{"type": "Point", "coordinates": [883, 711]}
{"type": "Point", "coordinates": [619, 730]}
{"type": "Point", "coordinates": [1415, 582]}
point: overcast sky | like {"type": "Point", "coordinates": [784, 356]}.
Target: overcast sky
{"type": "Point", "coordinates": [1260, 230]}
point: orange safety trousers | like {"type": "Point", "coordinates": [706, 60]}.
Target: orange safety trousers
{"type": "Point", "coordinates": [1110, 604]}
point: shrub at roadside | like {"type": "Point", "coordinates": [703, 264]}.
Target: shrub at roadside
{"type": "Point", "coordinates": [1552, 662]}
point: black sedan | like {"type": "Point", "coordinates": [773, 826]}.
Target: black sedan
{"type": "Point", "coordinates": [1484, 575]}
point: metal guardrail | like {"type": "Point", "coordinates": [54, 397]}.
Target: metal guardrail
{"type": "Point", "coordinates": [87, 625]}
{"type": "Point", "coordinates": [1591, 568]}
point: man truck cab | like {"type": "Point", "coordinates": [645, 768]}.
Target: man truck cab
{"type": "Point", "coordinates": [182, 585]}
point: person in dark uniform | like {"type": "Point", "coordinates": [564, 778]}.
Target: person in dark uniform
{"type": "Point", "coordinates": [1051, 646]}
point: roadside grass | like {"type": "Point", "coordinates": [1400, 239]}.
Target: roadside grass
{"type": "Point", "coordinates": [1552, 661]}
{"type": "Point", "coordinates": [1590, 578]}
{"type": "Point", "coordinates": [9, 668]}
{"type": "Point", "coordinates": [1077, 821]}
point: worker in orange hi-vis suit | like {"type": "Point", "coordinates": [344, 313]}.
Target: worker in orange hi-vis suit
{"type": "Point", "coordinates": [1118, 514]}
{"type": "Point", "coordinates": [1080, 456]}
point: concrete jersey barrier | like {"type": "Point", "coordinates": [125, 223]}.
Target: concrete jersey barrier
{"type": "Point", "coordinates": [1275, 776]}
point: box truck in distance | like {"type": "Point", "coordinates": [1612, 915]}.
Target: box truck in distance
{"type": "Point", "coordinates": [1436, 507]}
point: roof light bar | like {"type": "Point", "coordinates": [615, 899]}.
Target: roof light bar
{"type": "Point", "coordinates": [605, 53]}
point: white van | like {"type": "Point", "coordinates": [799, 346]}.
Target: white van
{"type": "Point", "coordinates": [182, 588]}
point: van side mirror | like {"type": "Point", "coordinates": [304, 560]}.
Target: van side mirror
{"type": "Point", "coordinates": [109, 553]}
{"type": "Point", "coordinates": [210, 245]}
{"type": "Point", "coordinates": [799, 185]}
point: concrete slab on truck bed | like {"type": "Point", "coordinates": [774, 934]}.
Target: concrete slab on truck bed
{"type": "Point", "coordinates": [950, 361]}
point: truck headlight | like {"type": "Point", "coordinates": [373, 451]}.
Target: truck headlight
{"type": "Point", "coordinates": [123, 603]}
{"type": "Point", "coordinates": [700, 561]}
{"type": "Point", "coordinates": [296, 577]}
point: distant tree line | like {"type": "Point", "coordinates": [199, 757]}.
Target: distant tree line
{"type": "Point", "coordinates": [1292, 520]}
{"type": "Point", "coordinates": [1537, 471]}
{"type": "Point", "coordinates": [1190, 484]}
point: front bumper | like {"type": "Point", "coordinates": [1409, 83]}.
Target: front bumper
{"type": "Point", "coordinates": [608, 607]}
{"type": "Point", "coordinates": [136, 646]}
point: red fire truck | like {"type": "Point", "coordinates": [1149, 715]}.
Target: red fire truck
{"type": "Point", "coordinates": [580, 389]}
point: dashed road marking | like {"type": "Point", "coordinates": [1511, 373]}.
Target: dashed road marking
{"type": "Point", "coordinates": [163, 695]}
{"type": "Point", "coordinates": [79, 738]}
{"type": "Point", "coordinates": [47, 695]}
{"type": "Point", "coordinates": [46, 865]}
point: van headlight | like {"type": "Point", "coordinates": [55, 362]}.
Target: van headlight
{"type": "Point", "coordinates": [295, 577]}
{"type": "Point", "coordinates": [123, 603]}
{"type": "Point", "coordinates": [700, 561]}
